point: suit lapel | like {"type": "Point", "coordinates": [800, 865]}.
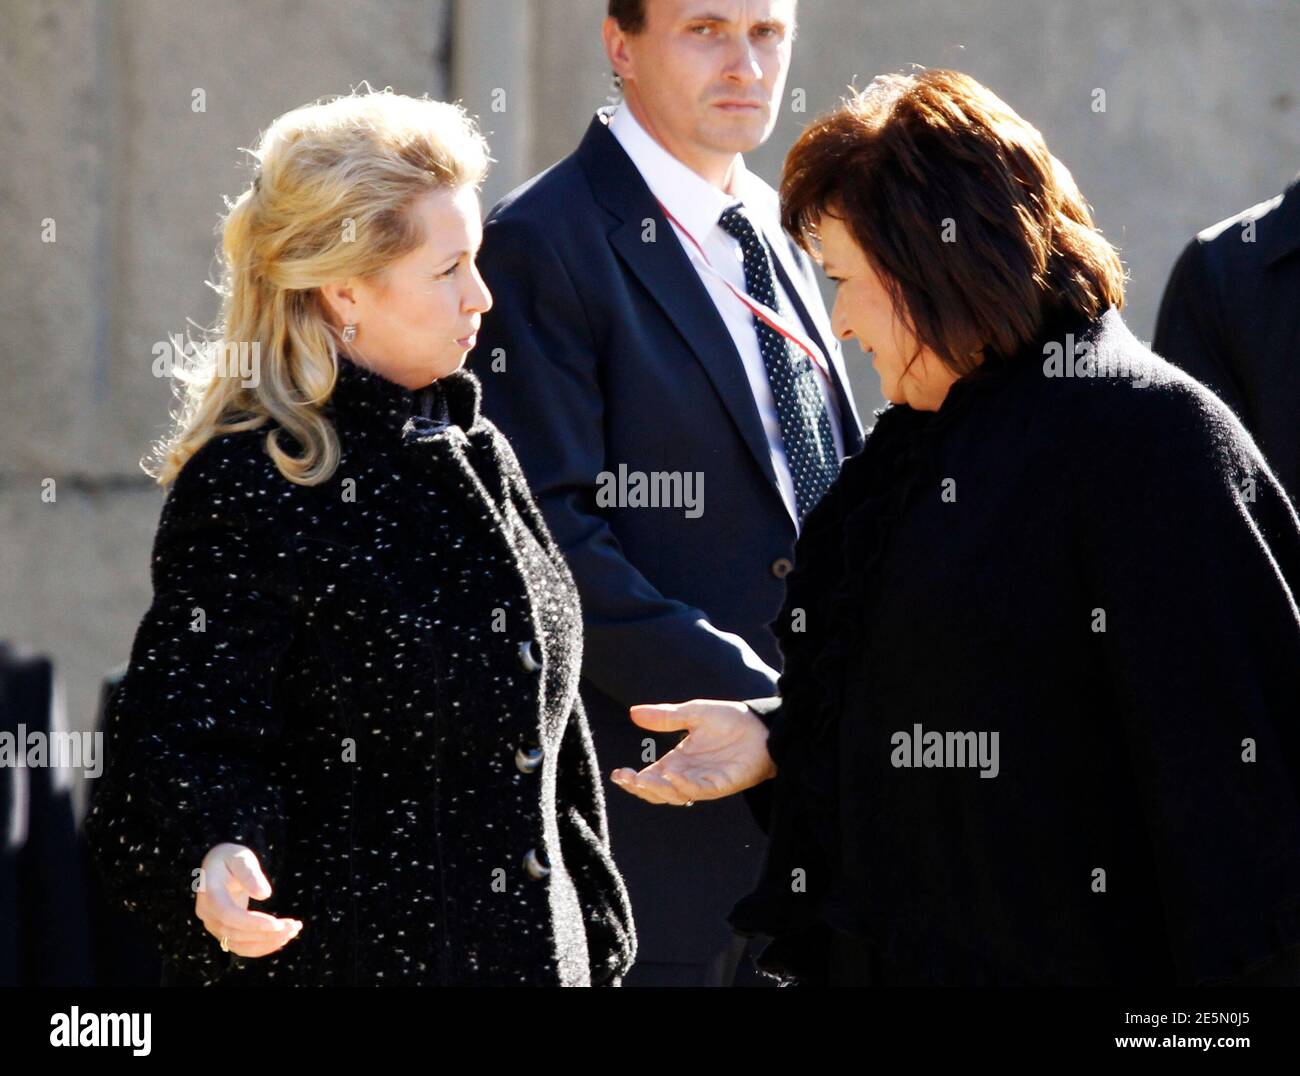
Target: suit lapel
{"type": "Point", "coordinates": [667, 274]}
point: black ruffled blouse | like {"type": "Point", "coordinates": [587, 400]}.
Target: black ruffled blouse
{"type": "Point", "coordinates": [820, 625]}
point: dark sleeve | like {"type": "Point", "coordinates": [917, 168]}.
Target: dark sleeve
{"type": "Point", "coordinates": [769, 711]}
{"type": "Point", "coordinates": [584, 840]}
{"type": "Point", "coordinates": [1185, 540]}
{"type": "Point", "coordinates": [759, 797]}
{"type": "Point", "coordinates": [640, 646]}
{"type": "Point", "coordinates": [192, 727]}
{"type": "Point", "coordinates": [1189, 330]}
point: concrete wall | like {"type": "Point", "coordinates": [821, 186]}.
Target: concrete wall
{"type": "Point", "coordinates": [101, 138]}
{"type": "Point", "coordinates": [1202, 119]}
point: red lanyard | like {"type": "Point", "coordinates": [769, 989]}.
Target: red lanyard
{"type": "Point", "coordinates": [765, 313]}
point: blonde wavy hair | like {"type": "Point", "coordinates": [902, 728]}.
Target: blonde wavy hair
{"type": "Point", "coordinates": [331, 199]}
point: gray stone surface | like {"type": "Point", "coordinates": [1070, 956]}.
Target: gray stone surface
{"type": "Point", "coordinates": [101, 137]}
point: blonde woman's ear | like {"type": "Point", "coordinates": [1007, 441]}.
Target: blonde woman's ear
{"type": "Point", "coordinates": [339, 303]}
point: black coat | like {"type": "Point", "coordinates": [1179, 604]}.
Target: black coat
{"type": "Point", "coordinates": [615, 355]}
{"type": "Point", "coordinates": [122, 945]}
{"type": "Point", "coordinates": [383, 704]}
{"type": "Point", "coordinates": [1104, 575]}
{"type": "Point", "coordinates": [44, 939]}
{"type": "Point", "coordinates": [1230, 317]}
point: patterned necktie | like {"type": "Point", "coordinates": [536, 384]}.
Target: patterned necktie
{"type": "Point", "coordinates": [800, 406]}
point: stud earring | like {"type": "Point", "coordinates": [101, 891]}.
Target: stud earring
{"type": "Point", "coordinates": [349, 332]}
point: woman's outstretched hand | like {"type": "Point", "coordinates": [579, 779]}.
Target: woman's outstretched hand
{"type": "Point", "coordinates": [724, 752]}
{"type": "Point", "coordinates": [231, 875]}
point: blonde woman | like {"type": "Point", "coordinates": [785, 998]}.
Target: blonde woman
{"type": "Point", "coordinates": [353, 699]}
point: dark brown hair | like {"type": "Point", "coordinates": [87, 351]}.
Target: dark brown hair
{"type": "Point", "coordinates": [978, 232]}
{"type": "Point", "coordinates": [630, 15]}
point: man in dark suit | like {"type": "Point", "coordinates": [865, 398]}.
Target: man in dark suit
{"type": "Point", "coordinates": [1230, 317]}
{"type": "Point", "coordinates": [675, 439]}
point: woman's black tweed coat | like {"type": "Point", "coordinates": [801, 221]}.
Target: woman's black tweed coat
{"type": "Point", "coordinates": [1101, 570]}
{"type": "Point", "coordinates": [373, 683]}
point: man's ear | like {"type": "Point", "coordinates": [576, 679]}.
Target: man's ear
{"type": "Point", "coordinates": [616, 47]}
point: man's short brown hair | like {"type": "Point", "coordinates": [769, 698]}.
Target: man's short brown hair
{"type": "Point", "coordinates": [630, 15]}
{"type": "Point", "coordinates": [979, 233]}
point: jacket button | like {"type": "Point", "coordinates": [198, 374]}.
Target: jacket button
{"type": "Point", "coordinates": [535, 865]}
{"type": "Point", "coordinates": [526, 657]}
{"type": "Point", "coordinates": [527, 759]}
{"type": "Point", "coordinates": [781, 567]}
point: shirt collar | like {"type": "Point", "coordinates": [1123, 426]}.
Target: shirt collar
{"type": "Point", "coordinates": [693, 200]}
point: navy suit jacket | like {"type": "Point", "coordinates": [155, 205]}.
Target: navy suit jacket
{"type": "Point", "coordinates": [603, 349]}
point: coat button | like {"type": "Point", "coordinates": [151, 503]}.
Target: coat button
{"type": "Point", "coordinates": [781, 567]}
{"type": "Point", "coordinates": [527, 759]}
{"type": "Point", "coordinates": [535, 865]}
{"type": "Point", "coordinates": [527, 658]}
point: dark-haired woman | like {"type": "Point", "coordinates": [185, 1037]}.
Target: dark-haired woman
{"type": "Point", "coordinates": [1037, 723]}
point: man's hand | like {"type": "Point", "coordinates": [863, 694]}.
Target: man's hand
{"type": "Point", "coordinates": [724, 752]}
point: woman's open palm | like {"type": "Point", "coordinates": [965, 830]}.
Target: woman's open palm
{"type": "Point", "coordinates": [724, 752]}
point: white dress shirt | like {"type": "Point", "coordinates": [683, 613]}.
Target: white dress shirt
{"type": "Point", "coordinates": [697, 204]}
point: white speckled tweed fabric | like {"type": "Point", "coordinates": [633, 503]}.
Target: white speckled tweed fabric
{"type": "Point", "coordinates": [382, 702]}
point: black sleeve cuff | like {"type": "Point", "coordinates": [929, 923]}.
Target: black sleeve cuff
{"type": "Point", "coordinates": [769, 711]}
{"type": "Point", "coordinates": [759, 797]}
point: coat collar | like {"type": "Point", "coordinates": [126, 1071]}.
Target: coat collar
{"type": "Point", "coordinates": [365, 400]}
{"type": "Point", "coordinates": [1102, 332]}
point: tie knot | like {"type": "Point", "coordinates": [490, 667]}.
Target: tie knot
{"type": "Point", "coordinates": [736, 223]}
